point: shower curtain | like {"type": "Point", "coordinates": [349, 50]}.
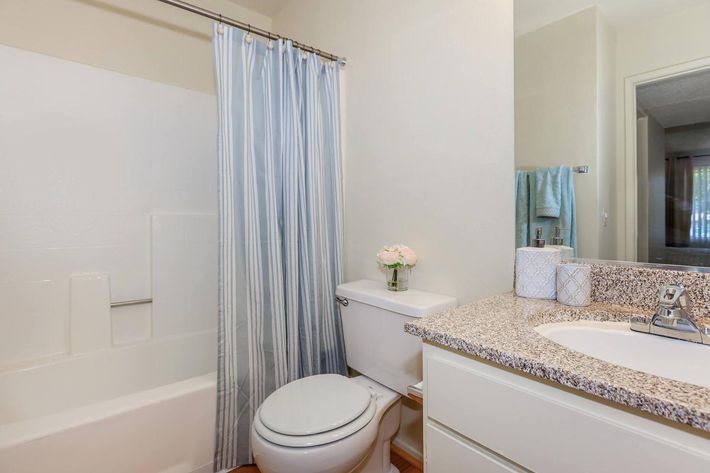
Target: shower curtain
{"type": "Point", "coordinates": [280, 227]}
{"type": "Point", "coordinates": [679, 200]}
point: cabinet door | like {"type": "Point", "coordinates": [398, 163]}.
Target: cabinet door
{"type": "Point", "coordinates": [551, 430]}
{"type": "Point", "coordinates": [448, 454]}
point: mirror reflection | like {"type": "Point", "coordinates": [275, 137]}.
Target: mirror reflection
{"type": "Point", "coordinates": [673, 170]}
{"type": "Point", "coordinates": [620, 90]}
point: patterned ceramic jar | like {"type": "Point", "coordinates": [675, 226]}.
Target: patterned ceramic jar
{"type": "Point", "coordinates": [574, 284]}
{"type": "Point", "coordinates": [536, 271]}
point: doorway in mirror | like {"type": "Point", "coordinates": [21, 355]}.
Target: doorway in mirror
{"type": "Point", "coordinates": [673, 169]}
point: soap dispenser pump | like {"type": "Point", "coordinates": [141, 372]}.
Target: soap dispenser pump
{"type": "Point", "coordinates": [538, 241]}
{"type": "Point", "coordinates": [567, 252]}
{"type": "Point", "coordinates": [536, 269]}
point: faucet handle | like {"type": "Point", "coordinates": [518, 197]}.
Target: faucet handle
{"type": "Point", "coordinates": [674, 296]}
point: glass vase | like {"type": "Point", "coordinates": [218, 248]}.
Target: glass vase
{"type": "Point", "coordinates": [397, 279]}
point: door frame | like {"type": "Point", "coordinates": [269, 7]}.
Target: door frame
{"type": "Point", "coordinates": [630, 145]}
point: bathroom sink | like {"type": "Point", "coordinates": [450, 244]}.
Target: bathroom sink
{"type": "Point", "coordinates": [615, 343]}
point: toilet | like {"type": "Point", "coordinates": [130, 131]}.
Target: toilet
{"type": "Point", "coordinates": [334, 424]}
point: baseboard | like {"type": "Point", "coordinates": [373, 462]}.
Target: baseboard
{"type": "Point", "coordinates": [204, 468]}
{"type": "Point", "coordinates": [411, 455]}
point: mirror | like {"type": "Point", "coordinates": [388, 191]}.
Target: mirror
{"type": "Point", "coordinates": [673, 169]}
{"type": "Point", "coordinates": [623, 88]}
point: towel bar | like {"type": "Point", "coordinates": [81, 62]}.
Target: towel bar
{"type": "Point", "coordinates": [133, 302]}
{"type": "Point", "coordinates": [583, 169]}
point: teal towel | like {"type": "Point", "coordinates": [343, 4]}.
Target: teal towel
{"type": "Point", "coordinates": [548, 192]}
{"type": "Point", "coordinates": [526, 219]}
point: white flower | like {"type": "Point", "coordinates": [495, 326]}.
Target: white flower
{"type": "Point", "coordinates": [396, 256]}
{"type": "Point", "coordinates": [409, 256]}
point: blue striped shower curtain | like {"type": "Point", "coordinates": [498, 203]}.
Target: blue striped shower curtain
{"type": "Point", "coordinates": [280, 227]}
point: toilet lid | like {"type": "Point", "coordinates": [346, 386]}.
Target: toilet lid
{"type": "Point", "coordinates": [313, 405]}
{"type": "Point", "coordinates": [335, 435]}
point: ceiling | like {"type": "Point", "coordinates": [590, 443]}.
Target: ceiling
{"type": "Point", "coordinates": [265, 7]}
{"type": "Point", "coordinates": [533, 14]}
{"type": "Point", "coordinates": [679, 101]}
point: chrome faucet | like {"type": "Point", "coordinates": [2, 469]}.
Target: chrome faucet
{"type": "Point", "coordinates": [672, 317]}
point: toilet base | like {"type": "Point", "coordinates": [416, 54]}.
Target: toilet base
{"type": "Point", "coordinates": [378, 460]}
{"type": "Point", "coordinates": [366, 451]}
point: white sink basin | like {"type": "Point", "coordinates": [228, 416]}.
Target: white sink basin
{"type": "Point", "coordinates": [616, 343]}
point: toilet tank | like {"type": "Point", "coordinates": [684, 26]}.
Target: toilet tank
{"type": "Point", "coordinates": [373, 326]}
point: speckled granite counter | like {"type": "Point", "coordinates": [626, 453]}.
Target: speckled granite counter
{"type": "Point", "coordinates": [501, 329]}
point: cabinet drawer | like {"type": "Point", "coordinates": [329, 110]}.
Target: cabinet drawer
{"type": "Point", "coordinates": [448, 454]}
{"type": "Point", "coordinates": [551, 430]}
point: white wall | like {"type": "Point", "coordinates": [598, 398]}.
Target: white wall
{"type": "Point", "coordinates": [688, 138]}
{"type": "Point", "coordinates": [428, 123]}
{"type": "Point", "coordinates": [669, 40]}
{"type": "Point", "coordinates": [106, 174]}
{"type": "Point", "coordinates": [87, 156]}
{"type": "Point", "coordinates": [606, 138]}
{"type": "Point", "coordinates": [556, 107]}
{"type": "Point", "coordinates": [651, 171]}
{"type": "Point", "coordinates": [143, 38]}
{"type": "Point", "coordinates": [657, 191]}
{"type": "Point", "coordinates": [642, 151]}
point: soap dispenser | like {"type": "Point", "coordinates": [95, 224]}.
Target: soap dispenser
{"type": "Point", "coordinates": [558, 242]}
{"type": "Point", "coordinates": [536, 269]}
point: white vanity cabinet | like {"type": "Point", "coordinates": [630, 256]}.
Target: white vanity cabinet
{"type": "Point", "coordinates": [480, 417]}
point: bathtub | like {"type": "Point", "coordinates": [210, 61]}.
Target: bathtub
{"type": "Point", "coordinates": [143, 408]}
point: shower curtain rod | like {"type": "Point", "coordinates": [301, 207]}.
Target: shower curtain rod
{"type": "Point", "coordinates": [246, 26]}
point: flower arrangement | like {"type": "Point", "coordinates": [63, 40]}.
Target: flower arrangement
{"type": "Point", "coordinates": [397, 260]}
{"type": "Point", "coordinates": [397, 256]}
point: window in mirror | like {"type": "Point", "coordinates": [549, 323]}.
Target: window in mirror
{"type": "Point", "coordinates": [700, 212]}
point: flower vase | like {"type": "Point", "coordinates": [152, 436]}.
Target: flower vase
{"type": "Point", "coordinates": [398, 279]}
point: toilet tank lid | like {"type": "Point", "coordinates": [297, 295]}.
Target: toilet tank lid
{"type": "Point", "coordinates": [413, 303]}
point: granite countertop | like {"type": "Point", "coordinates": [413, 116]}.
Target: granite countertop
{"type": "Point", "coordinates": [501, 329]}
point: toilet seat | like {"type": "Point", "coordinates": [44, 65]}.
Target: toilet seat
{"type": "Point", "coordinates": [314, 411]}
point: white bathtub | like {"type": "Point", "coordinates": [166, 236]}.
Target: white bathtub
{"type": "Point", "coordinates": [143, 408]}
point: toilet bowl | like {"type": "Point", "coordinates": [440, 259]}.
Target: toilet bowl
{"type": "Point", "coordinates": [334, 424]}
{"type": "Point", "coordinates": [326, 424]}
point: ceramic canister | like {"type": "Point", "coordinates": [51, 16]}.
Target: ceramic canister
{"type": "Point", "coordinates": [566, 251]}
{"type": "Point", "coordinates": [536, 272]}
{"type": "Point", "coordinates": [574, 284]}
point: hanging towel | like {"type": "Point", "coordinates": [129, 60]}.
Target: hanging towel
{"type": "Point", "coordinates": [548, 192]}
{"type": "Point", "coordinates": [526, 219]}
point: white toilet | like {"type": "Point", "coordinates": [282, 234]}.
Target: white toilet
{"type": "Point", "coordinates": [333, 424]}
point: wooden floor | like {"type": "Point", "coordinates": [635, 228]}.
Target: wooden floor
{"type": "Point", "coordinates": [403, 465]}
